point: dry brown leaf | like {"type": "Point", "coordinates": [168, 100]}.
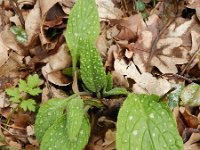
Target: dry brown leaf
{"type": "Point", "coordinates": [3, 51]}
{"type": "Point", "coordinates": [145, 82]}
{"type": "Point", "coordinates": [109, 140]}
{"type": "Point", "coordinates": [193, 142]}
{"type": "Point", "coordinates": [107, 10]}
{"type": "Point", "coordinates": [3, 100]}
{"type": "Point", "coordinates": [191, 120]}
{"type": "Point", "coordinates": [32, 23]}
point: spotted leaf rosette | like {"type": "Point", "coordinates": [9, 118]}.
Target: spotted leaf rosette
{"type": "Point", "coordinates": [144, 123]}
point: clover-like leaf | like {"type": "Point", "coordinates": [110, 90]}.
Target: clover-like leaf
{"type": "Point", "coordinates": [56, 137]}
{"type": "Point", "coordinates": [91, 68]}
{"type": "Point", "coordinates": [116, 91]}
{"type": "Point", "coordinates": [14, 93]}
{"type": "Point", "coordinates": [75, 114]}
{"type": "Point", "coordinates": [190, 95]}
{"type": "Point", "coordinates": [28, 105]}
{"type": "Point", "coordinates": [83, 23]}
{"type": "Point", "coordinates": [144, 123]}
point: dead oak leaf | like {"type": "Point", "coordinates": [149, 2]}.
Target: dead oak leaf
{"type": "Point", "coordinates": [145, 82]}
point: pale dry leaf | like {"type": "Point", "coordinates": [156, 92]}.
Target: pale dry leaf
{"type": "Point", "coordinates": [107, 10]}
{"type": "Point", "coordinates": [193, 4]}
{"type": "Point", "coordinates": [32, 22]}
{"type": "Point", "coordinates": [193, 142]}
{"type": "Point", "coordinates": [4, 101]}
{"type": "Point", "coordinates": [3, 51]}
{"type": "Point", "coordinates": [109, 140]}
{"type": "Point", "coordinates": [23, 3]}
{"type": "Point", "coordinates": [145, 82]}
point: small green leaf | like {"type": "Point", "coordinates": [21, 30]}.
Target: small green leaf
{"type": "Point", "coordinates": [28, 105]}
{"type": "Point", "coordinates": [23, 86]}
{"type": "Point", "coordinates": [109, 82]}
{"type": "Point", "coordinates": [31, 86]}
{"type": "Point", "coordinates": [83, 23]}
{"type": "Point", "coordinates": [190, 95]}
{"type": "Point", "coordinates": [115, 91]}
{"type": "Point", "coordinates": [33, 81]}
{"type": "Point", "coordinates": [91, 68]}
{"type": "Point", "coordinates": [56, 137]}
{"type": "Point", "coordinates": [145, 124]}
{"type": "Point", "coordinates": [140, 6]}
{"type": "Point", "coordinates": [75, 113]}
{"type": "Point", "coordinates": [174, 96]}
{"type": "Point", "coordinates": [14, 93]}
{"type": "Point", "coordinates": [46, 116]}
{"type": "Point", "coordinates": [20, 33]}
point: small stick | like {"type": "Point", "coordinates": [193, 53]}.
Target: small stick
{"type": "Point", "coordinates": [18, 12]}
{"type": "Point", "coordinates": [176, 76]}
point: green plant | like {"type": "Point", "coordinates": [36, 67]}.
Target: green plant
{"type": "Point", "coordinates": [21, 95]}
{"type": "Point", "coordinates": [63, 123]}
{"type": "Point", "coordinates": [145, 123]}
{"type": "Point", "coordinates": [20, 33]}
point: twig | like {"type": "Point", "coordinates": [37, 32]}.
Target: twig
{"type": "Point", "coordinates": [18, 12]}
{"type": "Point", "coordinates": [176, 76]}
{"type": "Point", "coordinates": [165, 95]}
{"type": "Point", "coordinates": [191, 60]}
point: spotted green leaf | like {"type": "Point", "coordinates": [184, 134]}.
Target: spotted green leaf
{"type": "Point", "coordinates": [145, 124]}
{"type": "Point", "coordinates": [20, 33]}
{"type": "Point", "coordinates": [83, 23]}
{"type": "Point", "coordinates": [116, 91]}
{"type": "Point", "coordinates": [91, 68]}
{"type": "Point", "coordinates": [191, 95]}
{"type": "Point", "coordinates": [109, 82]}
{"type": "Point", "coordinates": [56, 137]}
{"type": "Point", "coordinates": [75, 114]}
{"type": "Point", "coordinates": [174, 96]}
{"type": "Point", "coordinates": [47, 115]}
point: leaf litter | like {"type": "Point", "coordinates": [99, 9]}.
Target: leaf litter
{"type": "Point", "coordinates": [138, 54]}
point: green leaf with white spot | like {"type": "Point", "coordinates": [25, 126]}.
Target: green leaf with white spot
{"type": "Point", "coordinates": [20, 33]}
{"type": "Point", "coordinates": [109, 82]}
{"type": "Point", "coordinates": [190, 95]}
{"type": "Point", "coordinates": [91, 68]}
{"type": "Point", "coordinates": [144, 123]}
{"type": "Point", "coordinates": [83, 23]}
{"type": "Point", "coordinates": [174, 96]}
{"type": "Point", "coordinates": [47, 115]}
{"type": "Point", "coordinates": [75, 113]}
{"type": "Point", "coordinates": [116, 91]}
{"type": "Point", "coordinates": [56, 137]}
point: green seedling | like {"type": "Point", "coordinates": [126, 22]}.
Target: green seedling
{"type": "Point", "coordinates": [20, 33]}
{"type": "Point", "coordinates": [21, 95]}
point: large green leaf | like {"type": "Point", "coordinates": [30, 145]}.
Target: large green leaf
{"type": "Point", "coordinates": [91, 68]}
{"type": "Point", "coordinates": [56, 137]}
{"type": "Point", "coordinates": [83, 23]}
{"type": "Point", "coordinates": [46, 116]}
{"type": "Point", "coordinates": [145, 124]}
{"type": "Point", "coordinates": [75, 114]}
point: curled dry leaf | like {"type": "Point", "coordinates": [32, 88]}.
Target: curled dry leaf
{"type": "Point", "coordinates": [55, 63]}
{"type": "Point", "coordinates": [32, 23]}
{"type": "Point", "coordinates": [193, 142]}
{"type": "Point", "coordinates": [107, 10]}
{"type": "Point", "coordinates": [145, 82]}
{"type": "Point", "coordinates": [3, 51]}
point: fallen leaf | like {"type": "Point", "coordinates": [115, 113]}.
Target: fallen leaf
{"type": "Point", "coordinates": [193, 143]}
{"type": "Point", "coordinates": [145, 82]}
{"type": "Point", "coordinates": [107, 10]}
